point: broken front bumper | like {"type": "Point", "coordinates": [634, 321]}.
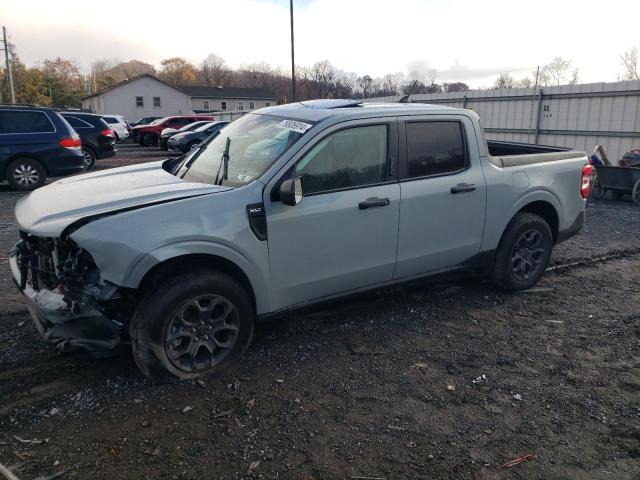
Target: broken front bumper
{"type": "Point", "coordinates": [66, 327]}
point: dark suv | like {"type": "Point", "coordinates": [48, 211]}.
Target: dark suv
{"type": "Point", "coordinates": [98, 140]}
{"type": "Point", "coordinates": [36, 142]}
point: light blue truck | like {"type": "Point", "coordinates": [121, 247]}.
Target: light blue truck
{"type": "Point", "coordinates": [286, 206]}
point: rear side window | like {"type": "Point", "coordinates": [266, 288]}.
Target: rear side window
{"type": "Point", "coordinates": [435, 148]}
{"type": "Point", "coordinates": [76, 123]}
{"type": "Point", "coordinates": [110, 120]}
{"type": "Point", "coordinates": [350, 158]}
{"type": "Point", "coordinates": [14, 121]}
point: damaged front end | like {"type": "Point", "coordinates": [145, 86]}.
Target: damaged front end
{"type": "Point", "coordinates": [71, 305]}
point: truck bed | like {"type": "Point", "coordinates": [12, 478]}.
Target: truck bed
{"type": "Point", "coordinates": [511, 154]}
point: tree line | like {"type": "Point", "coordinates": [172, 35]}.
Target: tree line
{"type": "Point", "coordinates": [61, 82]}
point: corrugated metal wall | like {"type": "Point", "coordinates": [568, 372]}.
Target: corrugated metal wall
{"type": "Point", "coordinates": [575, 116]}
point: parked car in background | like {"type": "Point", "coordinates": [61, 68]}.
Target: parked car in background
{"type": "Point", "coordinates": [170, 132]}
{"type": "Point", "coordinates": [138, 122]}
{"type": "Point", "coordinates": [149, 135]}
{"type": "Point", "coordinates": [98, 139]}
{"type": "Point", "coordinates": [288, 206]}
{"type": "Point", "coordinates": [36, 142]}
{"type": "Point", "coordinates": [185, 141]}
{"type": "Point", "coordinates": [118, 125]}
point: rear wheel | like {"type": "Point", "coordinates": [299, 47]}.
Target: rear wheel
{"type": "Point", "coordinates": [523, 253]}
{"type": "Point", "coordinates": [89, 158]}
{"type": "Point", "coordinates": [25, 174]}
{"type": "Point", "coordinates": [195, 323]}
{"type": "Point", "coordinates": [193, 144]}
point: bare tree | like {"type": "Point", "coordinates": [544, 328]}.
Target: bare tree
{"type": "Point", "coordinates": [558, 72]}
{"type": "Point", "coordinates": [322, 74]}
{"type": "Point", "coordinates": [505, 80]}
{"type": "Point", "coordinates": [213, 70]}
{"type": "Point", "coordinates": [631, 64]}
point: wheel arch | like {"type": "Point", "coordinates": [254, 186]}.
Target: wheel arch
{"type": "Point", "coordinates": [194, 261]}
{"type": "Point", "coordinates": [546, 211]}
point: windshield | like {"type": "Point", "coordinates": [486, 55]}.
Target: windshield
{"type": "Point", "coordinates": [156, 122]}
{"type": "Point", "coordinates": [255, 142]}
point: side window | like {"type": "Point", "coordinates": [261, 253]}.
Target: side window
{"type": "Point", "coordinates": [435, 148]}
{"type": "Point", "coordinates": [139, 102]}
{"type": "Point", "coordinates": [76, 123]}
{"type": "Point", "coordinates": [349, 158]}
{"type": "Point", "coordinates": [13, 121]}
{"type": "Point", "coordinates": [156, 102]}
{"type": "Point", "coordinates": [110, 120]}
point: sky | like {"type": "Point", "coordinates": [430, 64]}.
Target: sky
{"type": "Point", "coordinates": [468, 41]}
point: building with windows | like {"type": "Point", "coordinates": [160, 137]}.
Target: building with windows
{"type": "Point", "coordinates": [148, 96]}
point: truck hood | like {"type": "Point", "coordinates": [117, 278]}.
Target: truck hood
{"type": "Point", "coordinates": [47, 211]}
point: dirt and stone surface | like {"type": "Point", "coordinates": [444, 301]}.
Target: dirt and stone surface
{"type": "Point", "coordinates": [418, 381]}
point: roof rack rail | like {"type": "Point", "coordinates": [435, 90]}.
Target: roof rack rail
{"type": "Point", "coordinates": [330, 103]}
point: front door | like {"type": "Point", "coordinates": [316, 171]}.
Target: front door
{"type": "Point", "coordinates": [443, 195]}
{"type": "Point", "coordinates": [342, 236]}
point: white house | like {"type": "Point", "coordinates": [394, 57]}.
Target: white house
{"type": "Point", "coordinates": [148, 96]}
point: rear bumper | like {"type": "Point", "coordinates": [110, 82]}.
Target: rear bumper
{"type": "Point", "coordinates": [573, 230]}
{"type": "Point", "coordinates": [64, 327]}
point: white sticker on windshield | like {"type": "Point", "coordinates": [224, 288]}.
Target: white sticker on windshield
{"type": "Point", "coordinates": [299, 127]}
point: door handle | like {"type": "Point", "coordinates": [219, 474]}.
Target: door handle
{"type": "Point", "coordinates": [373, 202]}
{"type": "Point", "coordinates": [463, 187]}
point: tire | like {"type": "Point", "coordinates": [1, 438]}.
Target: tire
{"type": "Point", "coordinates": [178, 309]}
{"type": "Point", "coordinates": [523, 253]}
{"type": "Point", "coordinates": [635, 193]}
{"type": "Point", "coordinates": [192, 144]}
{"type": "Point", "coordinates": [597, 192]}
{"type": "Point", "coordinates": [25, 174]}
{"type": "Point", "coordinates": [150, 140]}
{"type": "Point", "coordinates": [89, 158]}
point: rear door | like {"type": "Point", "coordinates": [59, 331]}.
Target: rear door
{"type": "Point", "coordinates": [343, 235]}
{"type": "Point", "coordinates": [25, 131]}
{"type": "Point", "coordinates": [443, 194]}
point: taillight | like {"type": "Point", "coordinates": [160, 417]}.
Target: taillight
{"type": "Point", "coordinates": [585, 181]}
{"type": "Point", "coordinates": [73, 143]}
{"type": "Point", "coordinates": [107, 133]}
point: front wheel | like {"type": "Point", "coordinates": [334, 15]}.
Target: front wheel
{"type": "Point", "coordinates": [150, 140]}
{"type": "Point", "coordinates": [523, 253]}
{"type": "Point", "coordinates": [195, 323]}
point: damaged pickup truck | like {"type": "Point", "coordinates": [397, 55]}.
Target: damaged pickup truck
{"type": "Point", "coordinates": [287, 206]}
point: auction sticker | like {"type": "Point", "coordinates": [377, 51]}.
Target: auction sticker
{"type": "Point", "coordinates": [294, 126]}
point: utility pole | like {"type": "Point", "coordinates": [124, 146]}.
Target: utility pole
{"type": "Point", "coordinates": [293, 63]}
{"type": "Point", "coordinates": [8, 65]}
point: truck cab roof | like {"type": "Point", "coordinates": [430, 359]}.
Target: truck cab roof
{"type": "Point", "coordinates": [318, 110]}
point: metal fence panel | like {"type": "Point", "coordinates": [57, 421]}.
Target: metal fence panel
{"type": "Point", "coordinates": [574, 116]}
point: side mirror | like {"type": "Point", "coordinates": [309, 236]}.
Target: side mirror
{"type": "Point", "coordinates": [291, 191]}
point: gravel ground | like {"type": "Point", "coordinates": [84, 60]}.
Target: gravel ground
{"type": "Point", "coordinates": [418, 381]}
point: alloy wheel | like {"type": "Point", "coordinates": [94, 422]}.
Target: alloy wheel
{"type": "Point", "coordinates": [528, 255]}
{"type": "Point", "coordinates": [202, 333]}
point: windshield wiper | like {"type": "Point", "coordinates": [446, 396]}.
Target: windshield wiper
{"type": "Point", "coordinates": [224, 164]}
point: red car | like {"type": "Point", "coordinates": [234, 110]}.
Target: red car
{"type": "Point", "coordinates": [148, 135]}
